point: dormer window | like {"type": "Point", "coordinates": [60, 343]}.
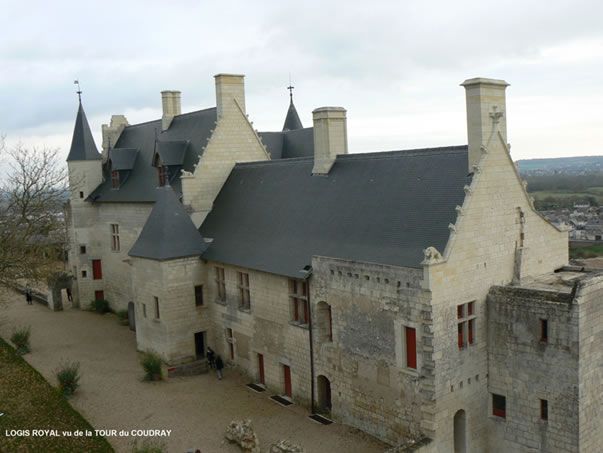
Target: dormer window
{"type": "Point", "coordinates": [114, 179]}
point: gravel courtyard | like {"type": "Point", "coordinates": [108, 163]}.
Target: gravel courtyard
{"type": "Point", "coordinates": [197, 409]}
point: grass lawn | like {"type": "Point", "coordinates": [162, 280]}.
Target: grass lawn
{"type": "Point", "coordinates": [30, 403]}
{"type": "Point", "coordinates": [587, 252]}
{"type": "Point", "coordinates": [595, 192]}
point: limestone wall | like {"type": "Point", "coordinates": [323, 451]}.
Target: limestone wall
{"type": "Point", "coordinates": [372, 387]}
{"type": "Point", "coordinates": [497, 237]}
{"type": "Point", "coordinates": [172, 334]}
{"type": "Point", "coordinates": [525, 370]}
{"type": "Point", "coordinates": [267, 329]}
{"type": "Point", "coordinates": [92, 229]}
{"type": "Point", "coordinates": [233, 140]}
{"type": "Point", "coordinates": [589, 297]}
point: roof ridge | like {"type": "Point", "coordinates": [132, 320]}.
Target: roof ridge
{"type": "Point", "coordinates": [175, 116]}
{"type": "Point", "coordinates": [416, 151]}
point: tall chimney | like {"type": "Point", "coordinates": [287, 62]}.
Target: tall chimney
{"type": "Point", "coordinates": [229, 87]}
{"type": "Point", "coordinates": [170, 101]}
{"type": "Point", "coordinates": [330, 137]}
{"type": "Point", "coordinates": [485, 106]}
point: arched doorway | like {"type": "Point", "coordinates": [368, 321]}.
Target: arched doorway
{"type": "Point", "coordinates": [324, 394]}
{"type": "Point", "coordinates": [460, 432]}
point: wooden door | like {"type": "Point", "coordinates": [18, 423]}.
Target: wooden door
{"type": "Point", "coordinates": [261, 368]}
{"type": "Point", "coordinates": [99, 295]}
{"type": "Point", "coordinates": [97, 270]}
{"type": "Point", "coordinates": [287, 373]}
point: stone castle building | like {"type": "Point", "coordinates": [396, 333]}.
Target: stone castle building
{"type": "Point", "coordinates": [413, 294]}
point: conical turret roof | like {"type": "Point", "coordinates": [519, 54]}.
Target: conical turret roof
{"type": "Point", "coordinates": [169, 231]}
{"type": "Point", "coordinates": [292, 121]}
{"type": "Point", "coordinates": [82, 144]}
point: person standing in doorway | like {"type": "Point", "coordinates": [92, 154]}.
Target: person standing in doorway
{"type": "Point", "coordinates": [28, 296]}
{"type": "Point", "coordinates": [69, 295]}
{"type": "Point", "coordinates": [219, 366]}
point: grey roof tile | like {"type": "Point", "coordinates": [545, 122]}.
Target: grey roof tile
{"type": "Point", "coordinates": [194, 127]}
{"type": "Point", "coordinates": [169, 231]}
{"type": "Point", "coordinates": [379, 207]}
{"type": "Point", "coordinates": [82, 143]}
{"type": "Point", "coordinates": [292, 121]}
{"type": "Point", "coordinates": [123, 158]}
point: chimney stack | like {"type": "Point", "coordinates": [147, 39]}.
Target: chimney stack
{"type": "Point", "coordinates": [486, 106]}
{"type": "Point", "coordinates": [170, 101]}
{"type": "Point", "coordinates": [330, 137]}
{"type": "Point", "coordinates": [229, 87]}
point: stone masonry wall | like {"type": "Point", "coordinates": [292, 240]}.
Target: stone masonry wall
{"type": "Point", "coordinates": [497, 237]}
{"type": "Point", "coordinates": [267, 329]}
{"type": "Point", "coordinates": [371, 386]}
{"type": "Point", "coordinates": [172, 334]}
{"type": "Point", "coordinates": [524, 370]}
{"type": "Point", "coordinates": [589, 297]}
{"type": "Point", "coordinates": [233, 140]}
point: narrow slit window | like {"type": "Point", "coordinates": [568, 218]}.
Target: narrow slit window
{"type": "Point", "coordinates": [544, 330]}
{"type": "Point", "coordinates": [544, 410]}
{"type": "Point", "coordinates": [411, 347]}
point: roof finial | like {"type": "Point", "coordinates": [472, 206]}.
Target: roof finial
{"type": "Point", "coordinates": [290, 88]}
{"type": "Point", "coordinates": [79, 91]}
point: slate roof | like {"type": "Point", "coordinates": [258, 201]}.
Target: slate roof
{"type": "Point", "coordinates": [82, 143]}
{"type": "Point", "coordinates": [378, 207]}
{"type": "Point", "coordinates": [123, 158]}
{"type": "Point", "coordinates": [289, 144]}
{"type": "Point", "coordinates": [173, 152]}
{"type": "Point", "coordinates": [292, 121]}
{"type": "Point", "coordinates": [169, 231]}
{"type": "Point", "coordinates": [191, 128]}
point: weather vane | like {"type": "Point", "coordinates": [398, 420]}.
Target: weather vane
{"type": "Point", "coordinates": [290, 87]}
{"type": "Point", "coordinates": [79, 91]}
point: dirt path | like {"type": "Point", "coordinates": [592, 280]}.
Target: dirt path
{"type": "Point", "coordinates": [197, 409]}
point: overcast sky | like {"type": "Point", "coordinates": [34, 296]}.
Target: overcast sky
{"type": "Point", "coordinates": [395, 66]}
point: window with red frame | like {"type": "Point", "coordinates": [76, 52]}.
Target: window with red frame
{"type": "Point", "coordinates": [298, 297]}
{"type": "Point", "coordinates": [162, 175]}
{"type": "Point", "coordinates": [466, 319]}
{"type": "Point", "coordinates": [114, 179]}
{"type": "Point", "coordinates": [499, 406]}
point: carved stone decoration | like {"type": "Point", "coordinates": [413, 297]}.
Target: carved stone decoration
{"type": "Point", "coordinates": [432, 256]}
{"type": "Point", "coordinates": [495, 115]}
{"type": "Point", "coordinates": [483, 149]}
{"type": "Point", "coordinates": [459, 210]}
{"type": "Point", "coordinates": [452, 227]}
{"type": "Point", "coordinates": [467, 190]}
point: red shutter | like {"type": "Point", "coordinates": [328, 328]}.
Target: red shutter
{"type": "Point", "coordinates": [97, 270]}
{"type": "Point", "coordinates": [287, 372]}
{"type": "Point", "coordinates": [411, 348]}
{"type": "Point", "coordinates": [470, 331]}
{"type": "Point", "coordinates": [261, 366]}
{"type": "Point", "coordinates": [461, 339]}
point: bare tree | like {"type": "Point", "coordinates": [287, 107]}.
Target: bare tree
{"type": "Point", "coordinates": [32, 229]}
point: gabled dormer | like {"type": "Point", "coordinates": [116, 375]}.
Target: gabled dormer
{"type": "Point", "coordinates": [120, 164]}
{"type": "Point", "coordinates": [168, 158]}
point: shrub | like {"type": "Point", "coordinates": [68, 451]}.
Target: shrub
{"type": "Point", "coordinates": [68, 375]}
{"type": "Point", "coordinates": [151, 363]}
{"type": "Point", "coordinates": [100, 306]}
{"type": "Point", "coordinates": [122, 315]}
{"type": "Point", "coordinates": [149, 446]}
{"type": "Point", "coordinates": [20, 339]}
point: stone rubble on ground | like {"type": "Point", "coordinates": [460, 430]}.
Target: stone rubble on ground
{"type": "Point", "coordinates": [284, 446]}
{"type": "Point", "coordinates": [242, 434]}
